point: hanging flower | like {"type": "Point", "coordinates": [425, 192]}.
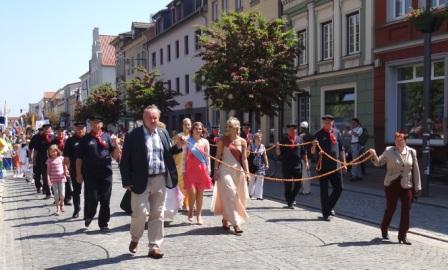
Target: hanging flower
{"type": "Point", "coordinates": [427, 21]}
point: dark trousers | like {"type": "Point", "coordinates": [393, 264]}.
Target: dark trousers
{"type": "Point", "coordinates": [291, 188]}
{"type": "Point", "coordinates": [97, 189]}
{"type": "Point", "coordinates": [37, 172]}
{"type": "Point", "coordinates": [328, 202]}
{"type": "Point", "coordinates": [76, 194]}
{"type": "Point", "coordinates": [45, 185]}
{"type": "Point", "coordinates": [393, 192]}
{"type": "Point", "coordinates": [68, 190]}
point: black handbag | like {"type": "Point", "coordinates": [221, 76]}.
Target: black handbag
{"type": "Point", "coordinates": [125, 203]}
{"type": "Point", "coordinates": [252, 167]}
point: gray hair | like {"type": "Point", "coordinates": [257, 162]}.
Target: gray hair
{"type": "Point", "coordinates": [152, 107]}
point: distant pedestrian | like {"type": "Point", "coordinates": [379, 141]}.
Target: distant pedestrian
{"type": "Point", "coordinates": [46, 139]}
{"type": "Point", "coordinates": [34, 161]}
{"type": "Point", "coordinates": [258, 164]}
{"type": "Point", "coordinates": [213, 139]}
{"type": "Point", "coordinates": [56, 175]}
{"type": "Point", "coordinates": [330, 141]}
{"type": "Point", "coordinates": [24, 160]}
{"type": "Point", "coordinates": [402, 181]}
{"type": "Point", "coordinates": [291, 157]}
{"type": "Point", "coordinates": [246, 134]}
{"type": "Point", "coordinates": [197, 170]}
{"type": "Point", "coordinates": [16, 159]}
{"type": "Point", "coordinates": [355, 148]}
{"type": "Point", "coordinates": [306, 137]}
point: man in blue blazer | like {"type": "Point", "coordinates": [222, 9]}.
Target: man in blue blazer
{"type": "Point", "coordinates": [147, 168]}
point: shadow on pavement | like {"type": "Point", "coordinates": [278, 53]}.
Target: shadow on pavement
{"type": "Point", "coordinates": [200, 231]}
{"type": "Point", "coordinates": [275, 220]}
{"type": "Point", "coordinates": [51, 235]}
{"type": "Point", "coordinates": [373, 242]}
{"type": "Point", "coordinates": [46, 222]}
{"type": "Point", "coordinates": [96, 263]}
{"type": "Point", "coordinates": [21, 195]}
{"type": "Point", "coordinates": [28, 207]}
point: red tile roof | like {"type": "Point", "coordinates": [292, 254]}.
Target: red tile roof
{"type": "Point", "coordinates": [49, 95]}
{"type": "Point", "coordinates": [107, 50]}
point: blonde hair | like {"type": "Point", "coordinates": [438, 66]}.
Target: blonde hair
{"type": "Point", "coordinates": [258, 135]}
{"type": "Point", "coordinates": [233, 122]}
{"type": "Point", "coordinates": [52, 148]}
{"type": "Point", "coordinates": [186, 120]}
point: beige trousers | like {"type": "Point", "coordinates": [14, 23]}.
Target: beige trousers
{"type": "Point", "coordinates": [150, 201]}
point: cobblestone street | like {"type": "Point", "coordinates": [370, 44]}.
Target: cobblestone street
{"type": "Point", "coordinates": [274, 238]}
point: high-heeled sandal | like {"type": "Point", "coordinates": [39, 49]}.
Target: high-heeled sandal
{"type": "Point", "coordinates": [404, 241]}
{"type": "Point", "coordinates": [225, 225]}
{"type": "Point", "coordinates": [237, 229]}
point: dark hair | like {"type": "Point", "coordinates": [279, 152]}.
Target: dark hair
{"type": "Point", "coordinates": [356, 120]}
{"type": "Point", "coordinates": [401, 134]}
{"type": "Point", "coordinates": [196, 124]}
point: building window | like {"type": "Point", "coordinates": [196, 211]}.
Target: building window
{"type": "Point", "coordinates": [186, 44]}
{"type": "Point", "coordinates": [178, 85]}
{"type": "Point", "coordinates": [410, 99]}
{"type": "Point", "coordinates": [168, 52]}
{"type": "Point", "coordinates": [187, 84]}
{"type": "Point", "coordinates": [177, 49]}
{"type": "Point", "coordinates": [144, 60]}
{"type": "Point", "coordinates": [353, 37]}
{"type": "Point", "coordinates": [138, 59]}
{"type": "Point", "coordinates": [302, 47]}
{"type": "Point", "coordinates": [438, 3]}
{"type": "Point", "coordinates": [173, 15]}
{"type": "Point", "coordinates": [238, 4]}
{"type": "Point", "coordinates": [224, 5]}
{"type": "Point", "coordinates": [198, 87]}
{"type": "Point", "coordinates": [132, 64]}
{"type": "Point", "coordinates": [401, 7]}
{"type": "Point", "coordinates": [161, 56]}
{"type": "Point", "coordinates": [341, 104]}
{"type": "Point", "coordinates": [214, 11]}
{"type": "Point", "coordinates": [197, 35]}
{"type": "Point", "coordinates": [154, 59]}
{"type": "Point", "coordinates": [327, 40]}
{"type": "Point", "coordinates": [168, 84]}
{"type": "Point", "coordinates": [198, 4]}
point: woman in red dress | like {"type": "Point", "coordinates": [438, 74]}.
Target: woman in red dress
{"type": "Point", "coordinates": [197, 170]}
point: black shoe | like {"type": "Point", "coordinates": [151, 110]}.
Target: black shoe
{"type": "Point", "coordinates": [68, 203]}
{"type": "Point", "coordinates": [259, 199]}
{"type": "Point", "coordinates": [325, 218]}
{"type": "Point", "coordinates": [87, 222]}
{"type": "Point", "coordinates": [333, 213]}
{"type": "Point", "coordinates": [105, 229]}
{"type": "Point", "coordinates": [384, 235]}
{"type": "Point", "coordinates": [75, 215]}
{"type": "Point", "coordinates": [404, 241]}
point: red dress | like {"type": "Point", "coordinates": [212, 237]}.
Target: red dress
{"type": "Point", "coordinates": [196, 173]}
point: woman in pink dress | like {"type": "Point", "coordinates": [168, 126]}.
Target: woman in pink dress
{"type": "Point", "coordinates": [231, 193]}
{"type": "Point", "coordinates": [197, 170]}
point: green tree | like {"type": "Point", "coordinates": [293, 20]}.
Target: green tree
{"type": "Point", "coordinates": [103, 100]}
{"type": "Point", "coordinates": [145, 90]}
{"type": "Point", "coordinates": [248, 63]}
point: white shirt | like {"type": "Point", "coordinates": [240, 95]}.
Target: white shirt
{"type": "Point", "coordinates": [358, 131]}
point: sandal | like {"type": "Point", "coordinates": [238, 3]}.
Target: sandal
{"type": "Point", "coordinates": [237, 229]}
{"type": "Point", "coordinates": [225, 225]}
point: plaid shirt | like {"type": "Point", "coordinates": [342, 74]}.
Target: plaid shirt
{"type": "Point", "coordinates": [156, 164]}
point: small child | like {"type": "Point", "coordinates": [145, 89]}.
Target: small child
{"type": "Point", "coordinates": [56, 172]}
{"type": "Point", "coordinates": [24, 160]}
{"type": "Point", "coordinates": [16, 159]}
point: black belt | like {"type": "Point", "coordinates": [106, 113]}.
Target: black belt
{"type": "Point", "coordinates": [155, 175]}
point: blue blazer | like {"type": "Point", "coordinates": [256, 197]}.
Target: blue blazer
{"type": "Point", "coordinates": [134, 160]}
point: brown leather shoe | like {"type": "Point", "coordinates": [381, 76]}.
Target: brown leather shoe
{"type": "Point", "coordinates": [133, 247]}
{"type": "Point", "coordinates": [155, 254]}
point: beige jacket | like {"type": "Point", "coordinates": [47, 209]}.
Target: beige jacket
{"type": "Point", "coordinates": [396, 167]}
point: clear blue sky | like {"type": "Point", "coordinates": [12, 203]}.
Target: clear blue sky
{"type": "Point", "coordinates": [46, 44]}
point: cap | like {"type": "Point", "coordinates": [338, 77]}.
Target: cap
{"type": "Point", "coordinates": [245, 124]}
{"type": "Point", "coordinates": [96, 117]}
{"type": "Point", "coordinates": [291, 125]}
{"type": "Point", "coordinates": [79, 123]}
{"type": "Point", "coordinates": [59, 128]}
{"type": "Point", "coordinates": [46, 126]}
{"type": "Point", "coordinates": [215, 127]}
{"type": "Point", "coordinates": [304, 124]}
{"type": "Point", "coordinates": [328, 116]}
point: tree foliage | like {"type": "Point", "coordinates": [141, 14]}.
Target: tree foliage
{"type": "Point", "coordinates": [145, 90]}
{"type": "Point", "coordinates": [103, 100]}
{"type": "Point", "coordinates": [248, 63]}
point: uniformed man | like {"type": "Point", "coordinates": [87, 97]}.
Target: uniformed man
{"type": "Point", "coordinates": [94, 168]}
{"type": "Point", "coordinates": [330, 141]}
{"type": "Point", "coordinates": [70, 153]}
{"type": "Point", "coordinates": [47, 139]}
{"type": "Point", "coordinates": [35, 140]}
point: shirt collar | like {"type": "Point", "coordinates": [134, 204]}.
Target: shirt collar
{"type": "Point", "coordinates": [147, 132]}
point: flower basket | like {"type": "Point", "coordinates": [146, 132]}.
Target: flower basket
{"type": "Point", "coordinates": [427, 22]}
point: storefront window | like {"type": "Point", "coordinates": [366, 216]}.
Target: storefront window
{"type": "Point", "coordinates": [410, 91]}
{"type": "Point", "coordinates": [341, 104]}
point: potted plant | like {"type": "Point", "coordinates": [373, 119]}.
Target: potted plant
{"type": "Point", "coordinates": [427, 21]}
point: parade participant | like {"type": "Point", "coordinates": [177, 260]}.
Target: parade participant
{"type": "Point", "coordinates": [16, 159]}
{"type": "Point", "coordinates": [57, 173]}
{"type": "Point", "coordinates": [94, 168]}
{"type": "Point", "coordinates": [291, 163]}
{"type": "Point", "coordinates": [147, 168]}
{"type": "Point", "coordinates": [24, 160]}
{"type": "Point", "coordinates": [402, 181]}
{"type": "Point", "coordinates": [355, 148]}
{"type": "Point", "coordinates": [186, 130]}
{"type": "Point", "coordinates": [60, 141]}
{"type": "Point", "coordinates": [230, 194]}
{"type": "Point", "coordinates": [330, 141]}
{"type": "Point", "coordinates": [197, 170]}
{"type": "Point", "coordinates": [245, 133]}
{"type": "Point", "coordinates": [213, 139]}
{"type": "Point", "coordinates": [34, 143]}
{"type": "Point", "coordinates": [306, 137]}
{"type": "Point", "coordinates": [45, 141]}
{"type": "Point", "coordinates": [258, 164]}
{"type": "Point", "coordinates": [71, 149]}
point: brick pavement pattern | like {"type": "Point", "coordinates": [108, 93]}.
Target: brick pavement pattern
{"type": "Point", "coordinates": [274, 238]}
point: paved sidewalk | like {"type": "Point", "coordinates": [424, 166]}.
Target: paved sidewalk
{"type": "Point", "coordinates": [274, 238]}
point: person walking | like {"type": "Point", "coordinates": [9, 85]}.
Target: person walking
{"type": "Point", "coordinates": [291, 157]}
{"type": "Point", "coordinates": [306, 172]}
{"type": "Point", "coordinates": [33, 147]}
{"type": "Point", "coordinates": [147, 168]}
{"type": "Point", "coordinates": [402, 181]}
{"type": "Point", "coordinates": [355, 148]}
{"type": "Point", "coordinates": [57, 173]}
{"type": "Point", "coordinates": [258, 164]}
{"type": "Point", "coordinates": [197, 170]}
{"type": "Point", "coordinates": [70, 153]}
{"type": "Point", "coordinates": [60, 141]}
{"type": "Point", "coordinates": [94, 168]}
{"type": "Point", "coordinates": [330, 141]}
{"type": "Point", "coordinates": [213, 139]}
{"type": "Point", "coordinates": [179, 160]}
{"type": "Point", "coordinates": [46, 140]}
{"type": "Point", "coordinates": [230, 194]}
